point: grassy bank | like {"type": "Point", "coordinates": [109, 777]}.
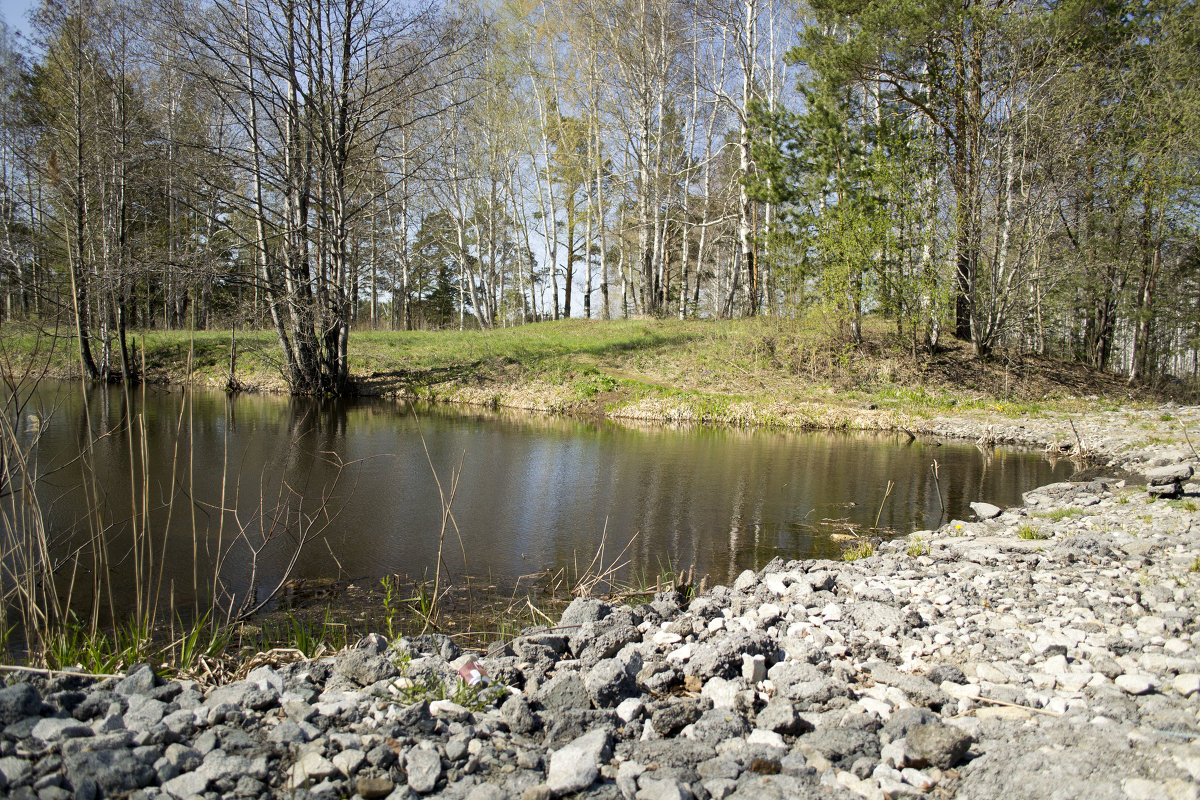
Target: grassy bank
{"type": "Point", "coordinates": [737, 372]}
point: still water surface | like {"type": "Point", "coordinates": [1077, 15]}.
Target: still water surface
{"type": "Point", "coordinates": [356, 478]}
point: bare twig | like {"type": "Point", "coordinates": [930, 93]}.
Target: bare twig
{"type": "Point", "coordinates": [1080, 450]}
{"type": "Point", "coordinates": [886, 494]}
{"type": "Point", "coordinates": [51, 672]}
{"type": "Point", "coordinates": [1007, 704]}
{"type": "Point", "coordinates": [1189, 440]}
{"type": "Point", "coordinates": [937, 484]}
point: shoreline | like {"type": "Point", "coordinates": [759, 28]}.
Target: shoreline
{"type": "Point", "coordinates": [1099, 432]}
{"type": "Point", "coordinates": [1052, 650]}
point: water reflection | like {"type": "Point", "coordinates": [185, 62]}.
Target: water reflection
{"type": "Point", "coordinates": [230, 488]}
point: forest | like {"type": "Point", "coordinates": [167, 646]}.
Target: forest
{"type": "Point", "coordinates": [1019, 175]}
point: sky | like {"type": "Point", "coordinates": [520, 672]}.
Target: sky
{"type": "Point", "coordinates": [14, 13]}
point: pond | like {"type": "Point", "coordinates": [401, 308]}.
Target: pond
{"type": "Point", "coordinates": [195, 489]}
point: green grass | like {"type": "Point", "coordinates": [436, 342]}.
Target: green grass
{"type": "Point", "coordinates": [918, 546]}
{"type": "Point", "coordinates": [1185, 505]}
{"type": "Point", "coordinates": [750, 371]}
{"type": "Point", "coordinates": [862, 549]}
{"type": "Point", "coordinates": [1031, 532]}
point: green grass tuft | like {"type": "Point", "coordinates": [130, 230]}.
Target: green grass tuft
{"type": "Point", "coordinates": [862, 549]}
{"type": "Point", "coordinates": [918, 546]}
{"type": "Point", "coordinates": [1031, 532]}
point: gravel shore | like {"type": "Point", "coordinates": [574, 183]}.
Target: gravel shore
{"type": "Point", "coordinates": [1046, 651]}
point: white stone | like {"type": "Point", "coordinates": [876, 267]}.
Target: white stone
{"type": "Point", "coordinates": [918, 779]}
{"type": "Point", "coordinates": [349, 761]}
{"type": "Point", "coordinates": [754, 668]}
{"type": "Point", "coordinates": [766, 738]}
{"type": "Point", "coordinates": [768, 613]}
{"type": "Point", "coordinates": [1187, 684]}
{"type": "Point", "coordinates": [680, 654]}
{"type": "Point", "coordinates": [1055, 665]}
{"type": "Point", "coordinates": [988, 672]}
{"type": "Point", "coordinates": [745, 581]}
{"type": "Point", "coordinates": [879, 708]}
{"type": "Point", "coordinates": [630, 709]}
{"type": "Point", "coordinates": [186, 785]}
{"type": "Point", "coordinates": [311, 768]}
{"type": "Point", "coordinates": [1075, 681]}
{"type": "Point", "coordinates": [1151, 626]}
{"type": "Point", "coordinates": [775, 583]}
{"type": "Point", "coordinates": [1133, 683]}
{"type": "Point", "coordinates": [986, 510]}
{"type": "Point", "coordinates": [1142, 789]}
{"type": "Point", "coordinates": [575, 766]}
{"type": "Point", "coordinates": [666, 637]}
{"type": "Point", "coordinates": [722, 693]}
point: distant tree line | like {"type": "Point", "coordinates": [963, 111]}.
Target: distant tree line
{"type": "Point", "coordinates": [1020, 175]}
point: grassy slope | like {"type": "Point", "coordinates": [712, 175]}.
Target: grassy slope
{"type": "Point", "coordinates": [741, 371]}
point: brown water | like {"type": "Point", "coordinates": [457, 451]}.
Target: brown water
{"type": "Point", "coordinates": [352, 482]}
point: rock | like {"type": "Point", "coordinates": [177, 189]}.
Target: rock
{"type": "Point", "coordinates": [904, 720]}
{"type": "Point", "coordinates": [582, 610]}
{"type": "Point", "coordinates": [718, 725]}
{"type": "Point", "coordinates": [603, 639]}
{"type": "Point", "coordinates": [309, 769]}
{"type": "Point", "coordinates": [630, 709]}
{"type": "Point", "coordinates": [140, 679]}
{"type": "Point", "coordinates": [349, 761]}
{"type": "Point", "coordinates": [1151, 625]}
{"type": "Point", "coordinates": [935, 745]}
{"type": "Point", "coordinates": [566, 690]}
{"type": "Point", "coordinates": [1174, 473]}
{"type": "Point", "coordinates": [628, 773]}
{"type": "Point", "coordinates": [674, 717]}
{"type": "Point", "coordinates": [1187, 684]}
{"type": "Point", "coordinates": [1168, 490]}
{"type": "Point", "coordinates": [874, 617]}
{"type": "Point", "coordinates": [371, 788]}
{"type": "Point", "coordinates": [364, 667]}
{"type": "Point", "coordinates": [449, 710]}
{"type": "Point", "coordinates": [780, 716]}
{"type": "Point", "coordinates": [424, 767]}
{"type": "Point", "coordinates": [745, 581]}
{"type": "Point", "coordinates": [723, 658]}
{"type": "Point", "coordinates": [766, 739]}
{"type": "Point", "coordinates": [608, 683]}
{"type": "Point", "coordinates": [14, 772]}
{"type": "Point", "coordinates": [576, 766]}
{"type": "Point", "coordinates": [143, 713]}
{"type": "Point", "coordinates": [986, 511]}
{"type": "Point", "coordinates": [946, 672]}
{"type": "Point", "coordinates": [519, 715]}
{"type": "Point", "coordinates": [415, 717]}
{"type": "Point", "coordinates": [114, 771]}
{"type": "Point", "coordinates": [186, 785]}
{"type": "Point", "coordinates": [722, 693]}
{"type": "Point", "coordinates": [574, 722]}
{"type": "Point", "coordinates": [54, 729]}
{"type": "Point", "coordinates": [668, 789]}
{"type": "Point", "coordinates": [486, 791]}
{"type": "Point", "coordinates": [754, 668]}
{"type": "Point", "coordinates": [18, 702]}
{"type": "Point", "coordinates": [1136, 684]}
